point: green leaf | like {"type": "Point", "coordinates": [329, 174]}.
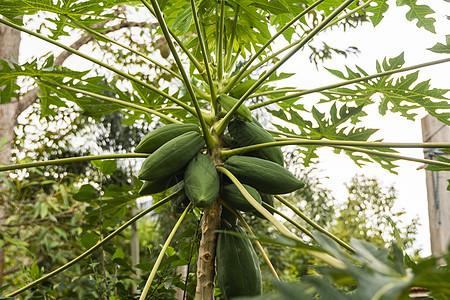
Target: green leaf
{"type": "Point", "coordinates": [89, 239]}
{"type": "Point", "coordinates": [86, 193]}
{"type": "Point", "coordinates": [184, 20]}
{"type": "Point", "coordinates": [272, 6]}
{"type": "Point", "coordinates": [15, 242]}
{"type": "Point", "coordinates": [403, 95]}
{"type": "Point", "coordinates": [88, 11]}
{"type": "Point", "coordinates": [107, 167]}
{"type": "Point", "coordinates": [441, 48]}
{"type": "Point", "coordinates": [419, 12]}
{"type": "Point", "coordinates": [118, 254]}
{"type": "Point", "coordinates": [376, 12]}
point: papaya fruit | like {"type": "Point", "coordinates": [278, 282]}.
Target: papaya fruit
{"type": "Point", "coordinates": [251, 133]}
{"type": "Point", "coordinates": [238, 270]}
{"type": "Point", "coordinates": [227, 102]}
{"type": "Point", "coordinates": [172, 156]}
{"type": "Point", "coordinates": [233, 197]}
{"type": "Point", "coordinates": [201, 181]}
{"type": "Point", "coordinates": [158, 137]}
{"type": "Point", "coordinates": [162, 184]}
{"type": "Point", "coordinates": [264, 175]}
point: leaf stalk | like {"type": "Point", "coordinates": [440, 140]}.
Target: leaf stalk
{"type": "Point", "coordinates": [69, 160]}
{"type": "Point", "coordinates": [163, 251]}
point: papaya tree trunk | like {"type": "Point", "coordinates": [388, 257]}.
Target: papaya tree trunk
{"type": "Point", "coordinates": [207, 252]}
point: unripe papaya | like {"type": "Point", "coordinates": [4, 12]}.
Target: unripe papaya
{"type": "Point", "coordinates": [162, 135]}
{"type": "Point", "coordinates": [238, 271]}
{"type": "Point", "coordinates": [264, 175]}
{"type": "Point", "coordinates": [172, 156]}
{"type": "Point", "coordinates": [233, 197]}
{"type": "Point", "coordinates": [250, 133]}
{"type": "Point", "coordinates": [162, 184]}
{"type": "Point", "coordinates": [201, 181]}
{"type": "Point", "coordinates": [227, 102]}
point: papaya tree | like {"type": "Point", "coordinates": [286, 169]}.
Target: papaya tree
{"type": "Point", "coordinates": [213, 158]}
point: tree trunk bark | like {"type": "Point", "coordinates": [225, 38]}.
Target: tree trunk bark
{"type": "Point", "coordinates": [206, 270]}
{"type": "Point", "coordinates": [9, 48]}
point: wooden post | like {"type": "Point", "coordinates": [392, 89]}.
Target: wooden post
{"type": "Point", "coordinates": [437, 193]}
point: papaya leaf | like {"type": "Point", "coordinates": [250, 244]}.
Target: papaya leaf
{"type": "Point", "coordinates": [419, 12]}
{"type": "Point", "coordinates": [371, 273]}
{"type": "Point", "coordinates": [403, 95]}
{"type": "Point", "coordinates": [376, 12]}
{"type": "Point", "coordinates": [332, 128]}
{"type": "Point", "coordinates": [441, 48]}
{"type": "Point", "coordinates": [272, 6]}
{"type": "Point", "coordinates": [88, 11]}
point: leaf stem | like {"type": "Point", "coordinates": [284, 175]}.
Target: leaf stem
{"type": "Point", "coordinates": [256, 205]}
{"type": "Point", "coordinates": [208, 137]}
{"type": "Point", "coordinates": [114, 100]}
{"type": "Point", "coordinates": [347, 82]}
{"type": "Point", "coordinates": [201, 39]}
{"type": "Point", "coordinates": [303, 229]}
{"type": "Point", "coordinates": [224, 122]}
{"type": "Point", "coordinates": [93, 248]}
{"type": "Point", "coordinates": [181, 45]}
{"type": "Point", "coordinates": [247, 65]}
{"type": "Point", "coordinates": [229, 53]}
{"type": "Point", "coordinates": [314, 224]}
{"type": "Point", "coordinates": [347, 145]}
{"type": "Point", "coordinates": [333, 143]}
{"type": "Point", "coordinates": [163, 251]}
{"type": "Point", "coordinates": [221, 37]}
{"type": "Point", "coordinates": [71, 160]}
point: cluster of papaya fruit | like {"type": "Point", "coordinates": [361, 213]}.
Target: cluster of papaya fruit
{"type": "Point", "coordinates": [178, 162]}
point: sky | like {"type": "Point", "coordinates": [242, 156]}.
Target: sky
{"type": "Point", "coordinates": [391, 37]}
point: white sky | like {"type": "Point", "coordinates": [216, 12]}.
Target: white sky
{"type": "Point", "coordinates": [391, 37]}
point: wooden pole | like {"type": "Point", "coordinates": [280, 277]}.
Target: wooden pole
{"type": "Point", "coordinates": [437, 182]}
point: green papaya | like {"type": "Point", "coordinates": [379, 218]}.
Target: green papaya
{"type": "Point", "coordinates": [265, 176]}
{"type": "Point", "coordinates": [227, 102]}
{"type": "Point", "coordinates": [162, 135]}
{"type": "Point", "coordinates": [201, 181]}
{"type": "Point", "coordinates": [250, 133]}
{"type": "Point", "coordinates": [238, 270]}
{"type": "Point", "coordinates": [233, 197]}
{"type": "Point", "coordinates": [172, 156]}
{"type": "Point", "coordinates": [162, 184]}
